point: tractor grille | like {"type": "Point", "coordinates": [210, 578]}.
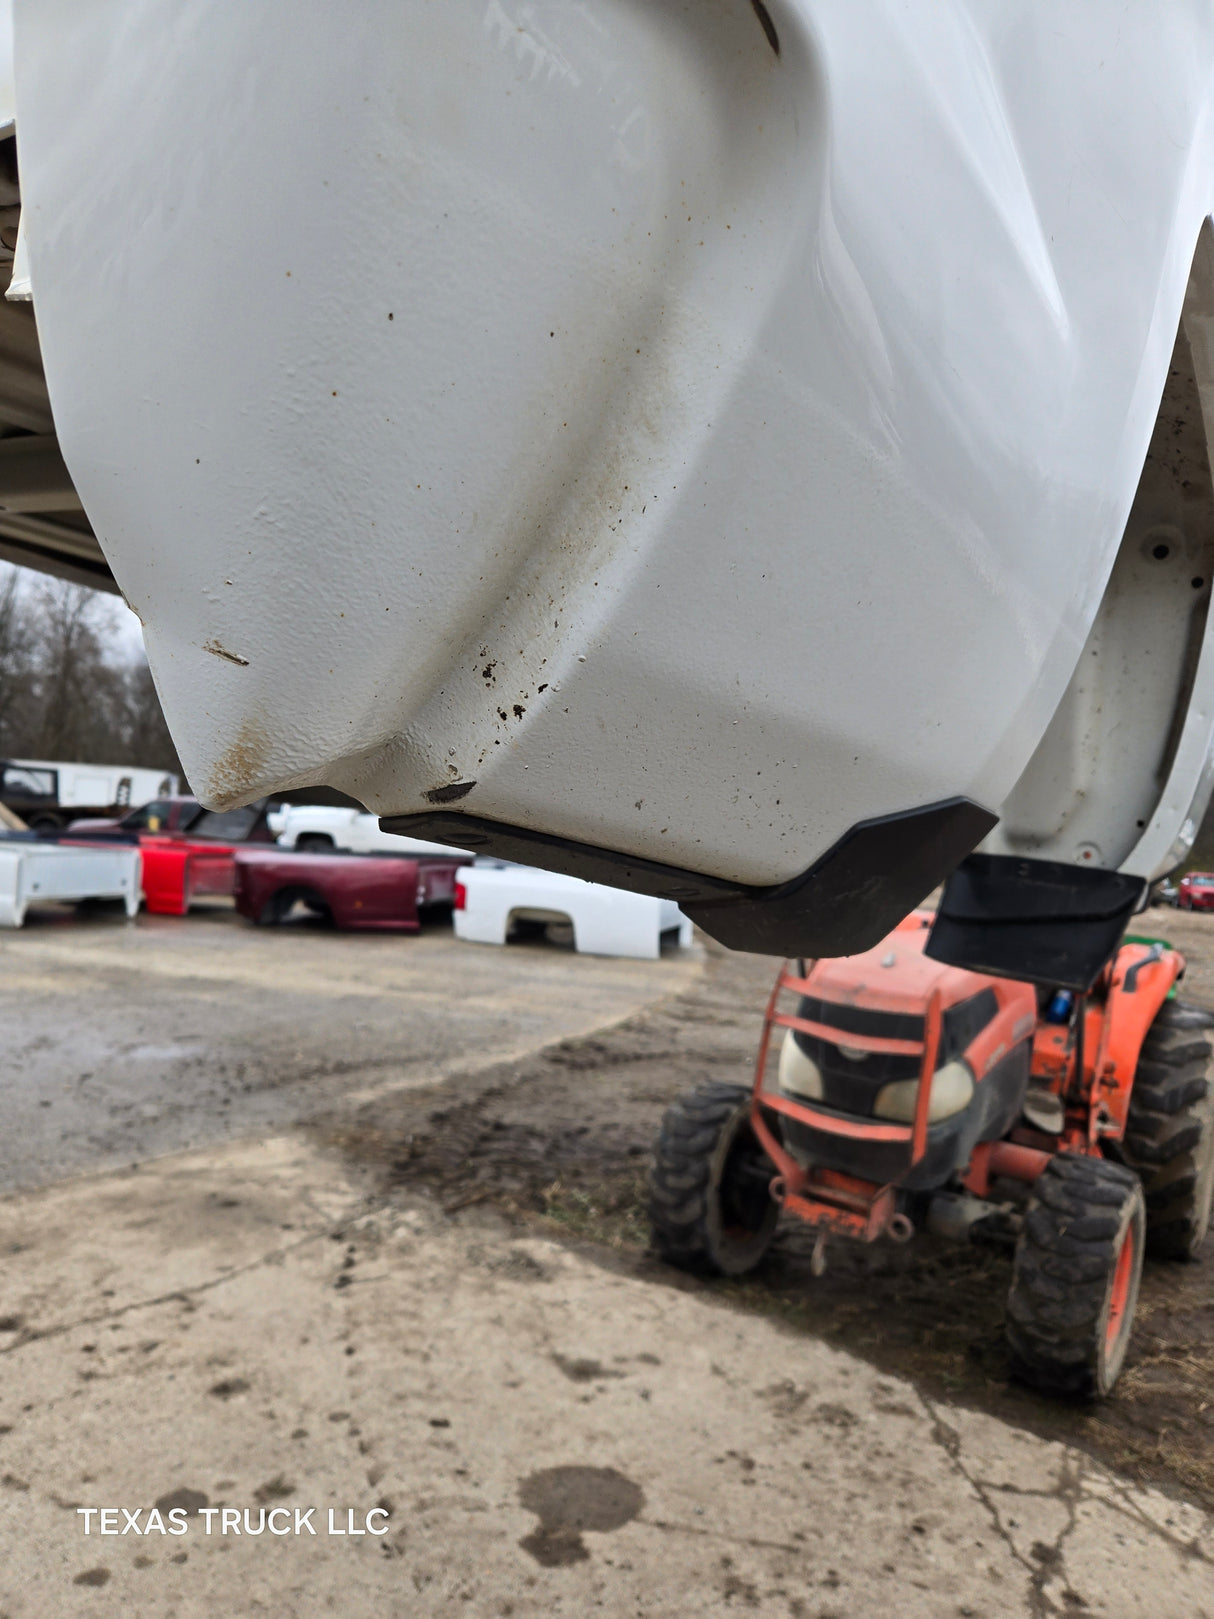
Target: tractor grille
{"type": "Point", "coordinates": [862, 1020]}
{"type": "Point", "coordinates": [850, 1084]}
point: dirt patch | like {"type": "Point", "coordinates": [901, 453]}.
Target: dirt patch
{"type": "Point", "coordinates": [563, 1139]}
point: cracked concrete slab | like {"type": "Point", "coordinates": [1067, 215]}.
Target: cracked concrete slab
{"type": "Point", "coordinates": [548, 1432]}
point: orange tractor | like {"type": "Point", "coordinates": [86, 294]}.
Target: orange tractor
{"type": "Point", "coordinates": [893, 1091]}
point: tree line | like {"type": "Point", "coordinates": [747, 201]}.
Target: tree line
{"type": "Point", "coordinates": [66, 690]}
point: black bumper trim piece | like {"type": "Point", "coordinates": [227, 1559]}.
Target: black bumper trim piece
{"type": "Point", "coordinates": [844, 903]}
{"type": "Point", "coordinates": [1042, 921]}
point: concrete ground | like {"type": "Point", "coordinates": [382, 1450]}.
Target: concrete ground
{"type": "Point", "coordinates": [546, 1435]}
{"type": "Point", "coordinates": [262, 1323]}
{"type": "Point", "coordinates": [127, 1041]}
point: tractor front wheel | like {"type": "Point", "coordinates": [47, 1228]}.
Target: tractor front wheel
{"type": "Point", "coordinates": [1169, 1133]}
{"type": "Point", "coordinates": [710, 1207]}
{"type": "Point", "coordinates": [1075, 1276]}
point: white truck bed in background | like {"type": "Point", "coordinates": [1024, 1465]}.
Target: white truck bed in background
{"type": "Point", "coordinates": [606, 921]}
{"type": "Point", "coordinates": [310, 825]}
{"type": "Point", "coordinates": [34, 873]}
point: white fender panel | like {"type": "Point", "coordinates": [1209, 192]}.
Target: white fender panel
{"type": "Point", "coordinates": [696, 447]}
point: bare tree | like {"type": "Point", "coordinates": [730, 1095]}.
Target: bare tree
{"type": "Point", "coordinates": [66, 692]}
{"type": "Point", "coordinates": [71, 667]}
{"type": "Point", "coordinates": [16, 644]}
{"type": "Point", "coordinates": [146, 732]}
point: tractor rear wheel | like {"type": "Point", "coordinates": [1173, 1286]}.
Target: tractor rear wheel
{"type": "Point", "coordinates": [1075, 1276]}
{"type": "Point", "coordinates": [1169, 1133]}
{"type": "Point", "coordinates": [710, 1204]}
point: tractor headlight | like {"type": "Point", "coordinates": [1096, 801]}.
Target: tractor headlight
{"type": "Point", "coordinates": [799, 1074]}
{"type": "Point", "coordinates": [952, 1089]}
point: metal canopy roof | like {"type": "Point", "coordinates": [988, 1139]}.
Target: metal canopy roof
{"type": "Point", "coordinates": [42, 523]}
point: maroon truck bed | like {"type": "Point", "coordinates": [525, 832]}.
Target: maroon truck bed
{"type": "Point", "coordinates": [357, 890]}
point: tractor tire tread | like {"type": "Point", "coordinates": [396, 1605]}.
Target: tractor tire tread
{"type": "Point", "coordinates": [1184, 1015]}
{"type": "Point", "coordinates": [1160, 1147]}
{"type": "Point", "coordinates": [680, 1177]}
{"type": "Point", "coordinates": [1163, 1201]}
{"type": "Point", "coordinates": [1062, 1270]}
{"type": "Point", "coordinates": [1169, 1135]}
{"type": "Point", "coordinates": [1168, 1093]}
{"type": "Point", "coordinates": [1072, 1269]}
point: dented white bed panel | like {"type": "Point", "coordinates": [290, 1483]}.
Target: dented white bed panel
{"type": "Point", "coordinates": [606, 921]}
{"type": "Point", "coordinates": [690, 429]}
{"type": "Point", "coordinates": [43, 873]}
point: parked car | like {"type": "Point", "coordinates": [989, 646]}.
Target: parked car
{"type": "Point", "coordinates": [160, 815]}
{"type": "Point", "coordinates": [1195, 891]}
{"type": "Point", "coordinates": [48, 793]}
{"type": "Point", "coordinates": [494, 900]}
{"type": "Point", "coordinates": [184, 816]}
{"type": "Point", "coordinates": [1165, 893]}
{"type": "Point", "coordinates": [356, 891]}
{"type": "Point", "coordinates": [318, 827]}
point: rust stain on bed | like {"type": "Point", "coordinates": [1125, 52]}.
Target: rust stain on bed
{"type": "Point", "coordinates": [239, 768]}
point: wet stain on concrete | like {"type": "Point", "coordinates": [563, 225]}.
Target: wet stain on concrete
{"type": "Point", "coordinates": [93, 1576]}
{"type": "Point", "coordinates": [228, 1387]}
{"type": "Point", "coordinates": [190, 1502]}
{"type": "Point", "coordinates": [581, 1370]}
{"type": "Point", "coordinates": [571, 1500]}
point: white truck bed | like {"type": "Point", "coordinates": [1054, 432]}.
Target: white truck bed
{"type": "Point", "coordinates": [606, 921]}
{"type": "Point", "coordinates": [320, 826]}
{"type": "Point", "coordinates": [772, 444]}
{"type": "Point", "coordinates": [34, 873]}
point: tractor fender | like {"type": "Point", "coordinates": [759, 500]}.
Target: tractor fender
{"type": "Point", "coordinates": [1142, 978]}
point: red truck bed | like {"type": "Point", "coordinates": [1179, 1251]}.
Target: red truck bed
{"type": "Point", "coordinates": [176, 870]}
{"type": "Point", "coordinates": [357, 890]}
